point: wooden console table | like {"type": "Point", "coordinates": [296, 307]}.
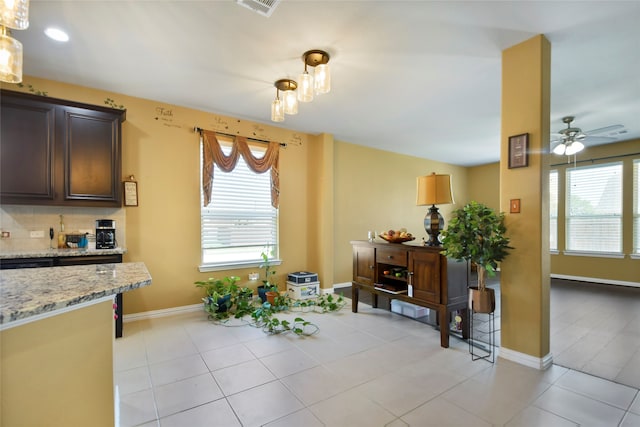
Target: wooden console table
{"type": "Point", "coordinates": [416, 274]}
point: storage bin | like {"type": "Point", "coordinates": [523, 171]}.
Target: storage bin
{"type": "Point", "coordinates": [303, 290]}
{"type": "Point", "coordinates": [408, 309]}
{"type": "Point", "coordinates": [302, 277]}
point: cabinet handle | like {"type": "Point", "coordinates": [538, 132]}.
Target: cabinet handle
{"type": "Point", "coordinates": [390, 256]}
{"type": "Point", "coordinates": [371, 267]}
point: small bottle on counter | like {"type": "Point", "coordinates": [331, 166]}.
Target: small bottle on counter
{"type": "Point", "coordinates": [62, 243]}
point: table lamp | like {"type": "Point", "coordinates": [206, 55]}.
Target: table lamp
{"type": "Point", "coordinates": [434, 190]}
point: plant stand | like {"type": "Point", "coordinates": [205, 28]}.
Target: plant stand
{"type": "Point", "coordinates": [477, 349]}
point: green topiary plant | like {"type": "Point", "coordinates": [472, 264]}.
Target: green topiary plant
{"type": "Point", "coordinates": [477, 234]}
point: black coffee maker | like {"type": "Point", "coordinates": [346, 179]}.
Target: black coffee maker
{"type": "Point", "coordinates": [105, 234]}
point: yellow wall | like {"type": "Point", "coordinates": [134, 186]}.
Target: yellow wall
{"type": "Point", "coordinates": [58, 371]}
{"type": "Point", "coordinates": [376, 190]}
{"type": "Point", "coordinates": [483, 184]}
{"type": "Point", "coordinates": [161, 149]}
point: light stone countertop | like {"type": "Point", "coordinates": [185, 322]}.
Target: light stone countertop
{"type": "Point", "coordinates": [55, 253]}
{"type": "Point", "coordinates": [29, 292]}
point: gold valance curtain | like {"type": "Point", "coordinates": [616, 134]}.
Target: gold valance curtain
{"type": "Point", "coordinates": [212, 154]}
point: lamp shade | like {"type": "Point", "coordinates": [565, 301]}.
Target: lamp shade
{"type": "Point", "coordinates": [14, 14]}
{"type": "Point", "coordinates": [10, 59]}
{"type": "Point", "coordinates": [277, 110]}
{"type": "Point", "coordinates": [290, 99]}
{"type": "Point", "coordinates": [305, 87]}
{"type": "Point", "coordinates": [434, 190]}
{"type": "Point", "coordinates": [322, 79]}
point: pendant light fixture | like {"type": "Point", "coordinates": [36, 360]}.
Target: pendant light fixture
{"type": "Point", "coordinates": [288, 104]}
{"type": "Point", "coordinates": [289, 95]}
{"type": "Point", "coordinates": [277, 108]}
{"type": "Point", "coordinates": [319, 59]}
{"type": "Point", "coordinates": [13, 14]}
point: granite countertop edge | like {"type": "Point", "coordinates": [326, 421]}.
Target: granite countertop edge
{"type": "Point", "coordinates": [58, 253]}
{"type": "Point", "coordinates": [30, 292]}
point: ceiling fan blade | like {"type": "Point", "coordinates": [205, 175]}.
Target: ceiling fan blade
{"type": "Point", "coordinates": [598, 139]}
{"type": "Point", "coordinates": [604, 129]}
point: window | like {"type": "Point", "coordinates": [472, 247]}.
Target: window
{"type": "Point", "coordinates": [553, 210]}
{"type": "Point", "coordinates": [594, 209]}
{"type": "Point", "coordinates": [239, 223]}
{"type": "Point", "coordinates": [636, 206]}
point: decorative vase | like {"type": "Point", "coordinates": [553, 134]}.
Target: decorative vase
{"type": "Point", "coordinates": [482, 301]}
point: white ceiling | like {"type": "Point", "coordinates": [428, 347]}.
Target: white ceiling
{"type": "Point", "coordinates": [415, 77]}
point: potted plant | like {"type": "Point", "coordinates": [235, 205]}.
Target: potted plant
{"type": "Point", "coordinates": [219, 292]}
{"type": "Point", "coordinates": [269, 289]}
{"type": "Point", "coordinates": [477, 234]}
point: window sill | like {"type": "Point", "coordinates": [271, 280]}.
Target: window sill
{"type": "Point", "coordinates": [235, 265]}
{"type": "Point", "coordinates": [595, 254]}
{"type": "Point", "coordinates": [634, 256]}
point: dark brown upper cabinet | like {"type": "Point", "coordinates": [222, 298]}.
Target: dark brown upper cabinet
{"type": "Point", "coordinates": [57, 152]}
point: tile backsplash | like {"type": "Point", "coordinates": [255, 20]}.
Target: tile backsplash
{"type": "Point", "coordinates": [21, 220]}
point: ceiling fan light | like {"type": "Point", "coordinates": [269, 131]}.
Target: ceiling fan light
{"type": "Point", "coordinates": [559, 149]}
{"type": "Point", "coordinates": [14, 14]}
{"type": "Point", "coordinates": [574, 148]}
{"type": "Point", "coordinates": [10, 58]}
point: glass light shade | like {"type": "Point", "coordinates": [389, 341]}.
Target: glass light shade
{"type": "Point", "coordinates": [305, 87]}
{"type": "Point", "coordinates": [434, 190]}
{"type": "Point", "coordinates": [10, 59]}
{"type": "Point", "coordinates": [322, 79]}
{"type": "Point", "coordinates": [14, 14]}
{"type": "Point", "coordinates": [574, 147]}
{"type": "Point", "coordinates": [559, 149]}
{"type": "Point", "coordinates": [290, 99]}
{"type": "Point", "coordinates": [277, 110]}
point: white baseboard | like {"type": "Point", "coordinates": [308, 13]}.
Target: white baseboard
{"type": "Point", "coordinates": [596, 280]}
{"type": "Point", "coordinates": [540, 363]}
{"type": "Point", "coordinates": [162, 313]}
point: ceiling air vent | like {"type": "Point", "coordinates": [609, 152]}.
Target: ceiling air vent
{"type": "Point", "coordinates": [263, 7]}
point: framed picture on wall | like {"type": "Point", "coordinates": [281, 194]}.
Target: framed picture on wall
{"type": "Point", "coordinates": [130, 192]}
{"type": "Point", "coordinates": [518, 151]}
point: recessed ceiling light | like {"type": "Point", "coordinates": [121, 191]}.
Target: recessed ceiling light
{"type": "Point", "coordinates": [57, 34]}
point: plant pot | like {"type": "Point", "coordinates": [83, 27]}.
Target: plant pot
{"type": "Point", "coordinates": [482, 301]}
{"type": "Point", "coordinates": [262, 293]}
{"type": "Point", "coordinates": [224, 303]}
{"type": "Point", "coordinates": [271, 297]}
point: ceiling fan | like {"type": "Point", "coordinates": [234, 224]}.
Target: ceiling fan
{"type": "Point", "coordinates": [571, 139]}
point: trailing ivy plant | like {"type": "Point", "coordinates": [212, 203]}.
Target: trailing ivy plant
{"type": "Point", "coordinates": [224, 299]}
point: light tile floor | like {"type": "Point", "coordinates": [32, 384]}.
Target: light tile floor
{"type": "Point", "coordinates": [373, 368]}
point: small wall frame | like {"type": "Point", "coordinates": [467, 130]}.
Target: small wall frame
{"type": "Point", "coordinates": [519, 151]}
{"type": "Point", "coordinates": [130, 191]}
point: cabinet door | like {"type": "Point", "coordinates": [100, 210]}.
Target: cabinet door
{"type": "Point", "coordinates": [90, 141]}
{"type": "Point", "coordinates": [26, 151]}
{"type": "Point", "coordinates": [425, 269]}
{"type": "Point", "coordinates": [364, 264]}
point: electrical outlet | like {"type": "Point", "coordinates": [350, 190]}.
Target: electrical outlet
{"type": "Point", "coordinates": [37, 234]}
{"type": "Point", "coordinates": [6, 234]}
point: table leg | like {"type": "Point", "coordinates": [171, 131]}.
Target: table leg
{"type": "Point", "coordinates": [443, 316]}
{"type": "Point", "coordinates": [354, 297]}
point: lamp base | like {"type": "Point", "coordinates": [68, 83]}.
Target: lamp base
{"type": "Point", "coordinates": [433, 223]}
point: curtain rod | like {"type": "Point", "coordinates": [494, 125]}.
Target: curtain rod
{"type": "Point", "coordinates": [600, 158]}
{"type": "Point", "coordinates": [199, 130]}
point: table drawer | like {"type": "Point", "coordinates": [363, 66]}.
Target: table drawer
{"type": "Point", "coordinates": [392, 256]}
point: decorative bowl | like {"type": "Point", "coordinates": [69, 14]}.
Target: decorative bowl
{"type": "Point", "coordinates": [397, 239]}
